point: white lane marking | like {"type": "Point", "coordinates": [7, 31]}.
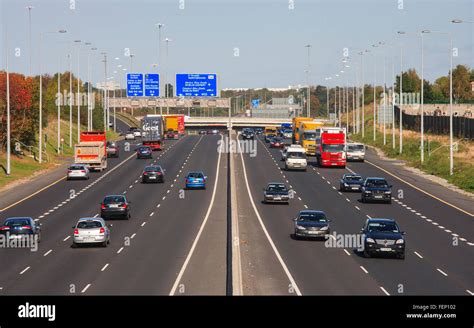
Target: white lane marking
{"type": "Point", "coordinates": [105, 267]}
{"type": "Point", "coordinates": [66, 238]}
{"type": "Point", "coordinates": [164, 197]}
{"type": "Point", "coordinates": [143, 223]}
{"type": "Point", "coordinates": [272, 244]}
{"type": "Point", "coordinates": [133, 236]}
{"type": "Point", "coordinates": [471, 293]}
{"type": "Point", "coordinates": [345, 250]}
{"type": "Point", "coordinates": [418, 254]}
{"type": "Point", "coordinates": [157, 206]}
{"type": "Point", "coordinates": [367, 215]}
{"type": "Point", "coordinates": [363, 269]}
{"type": "Point", "coordinates": [46, 254]}
{"type": "Point", "coordinates": [24, 270]}
{"type": "Point", "coordinates": [348, 199]}
{"type": "Point", "coordinates": [340, 193]}
{"type": "Point", "coordinates": [121, 249]}
{"type": "Point", "coordinates": [305, 206]}
{"type": "Point", "coordinates": [85, 288]}
{"type": "Point", "coordinates": [203, 224]}
{"type": "Point", "coordinates": [442, 272]}
{"type": "Point", "coordinates": [383, 289]}
{"type": "Point", "coordinates": [357, 207]}
{"type": "Point", "coordinates": [152, 213]}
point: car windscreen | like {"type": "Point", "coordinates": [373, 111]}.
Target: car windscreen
{"type": "Point", "coordinates": [89, 225]}
{"type": "Point", "coordinates": [17, 222]}
{"type": "Point", "coordinates": [376, 183]}
{"type": "Point", "coordinates": [143, 149]}
{"type": "Point", "coordinates": [195, 175]}
{"type": "Point", "coordinates": [313, 217]}
{"type": "Point", "coordinates": [76, 167]}
{"type": "Point", "coordinates": [114, 199]}
{"type": "Point", "coordinates": [309, 136]}
{"type": "Point", "coordinates": [382, 227]}
{"type": "Point", "coordinates": [355, 148]}
{"type": "Point", "coordinates": [153, 169]}
{"type": "Point", "coordinates": [296, 154]}
{"type": "Point", "coordinates": [333, 148]}
{"type": "Point", "coordinates": [353, 178]}
{"type": "Point", "coordinates": [276, 187]}
{"type": "Point", "coordinates": [277, 140]}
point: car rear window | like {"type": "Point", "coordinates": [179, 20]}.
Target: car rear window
{"type": "Point", "coordinates": [195, 175]}
{"type": "Point", "coordinates": [89, 224]}
{"type": "Point", "coordinates": [382, 227]}
{"type": "Point", "coordinates": [152, 169]}
{"type": "Point", "coordinates": [377, 183]}
{"type": "Point", "coordinates": [17, 222]}
{"type": "Point", "coordinates": [276, 187]}
{"type": "Point", "coordinates": [114, 199]}
{"type": "Point", "coordinates": [76, 167]}
{"type": "Point", "coordinates": [353, 178]}
{"type": "Point", "coordinates": [313, 217]}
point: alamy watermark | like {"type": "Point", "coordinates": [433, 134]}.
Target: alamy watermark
{"type": "Point", "coordinates": [229, 146]}
{"type": "Point", "coordinates": [74, 99]}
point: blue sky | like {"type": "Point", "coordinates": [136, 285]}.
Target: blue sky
{"type": "Point", "coordinates": [270, 37]}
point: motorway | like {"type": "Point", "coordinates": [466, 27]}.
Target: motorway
{"type": "Point", "coordinates": [176, 242]}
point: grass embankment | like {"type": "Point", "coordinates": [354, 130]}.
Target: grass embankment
{"type": "Point", "coordinates": [436, 152]}
{"type": "Point", "coordinates": [129, 119]}
{"type": "Point", "coordinates": [26, 166]}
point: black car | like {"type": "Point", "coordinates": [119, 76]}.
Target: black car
{"type": "Point", "coordinates": [153, 173]}
{"type": "Point", "coordinates": [312, 224]}
{"type": "Point", "coordinates": [383, 237]}
{"type": "Point", "coordinates": [376, 189]}
{"type": "Point", "coordinates": [17, 227]}
{"type": "Point", "coordinates": [248, 133]}
{"type": "Point", "coordinates": [276, 192]}
{"type": "Point", "coordinates": [115, 207]}
{"type": "Point", "coordinates": [258, 131]}
{"type": "Point", "coordinates": [350, 182]}
{"type": "Point", "coordinates": [269, 138]}
{"type": "Point", "coordinates": [144, 152]}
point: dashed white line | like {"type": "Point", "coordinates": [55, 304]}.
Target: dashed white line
{"type": "Point", "coordinates": [363, 269]}
{"type": "Point", "coordinates": [105, 267]}
{"type": "Point", "coordinates": [345, 250]}
{"type": "Point", "coordinates": [24, 270]}
{"type": "Point", "coordinates": [85, 288]}
{"type": "Point", "coordinates": [357, 207]}
{"type": "Point", "coordinates": [442, 272]}
{"type": "Point", "coordinates": [143, 223]}
{"type": "Point", "coordinates": [121, 249]}
{"type": "Point", "coordinates": [383, 289]}
{"type": "Point", "coordinates": [66, 238]}
{"type": "Point", "coordinates": [418, 254]}
{"type": "Point", "coordinates": [46, 254]}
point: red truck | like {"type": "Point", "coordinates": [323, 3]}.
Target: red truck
{"type": "Point", "coordinates": [330, 147]}
{"type": "Point", "coordinates": [92, 150]}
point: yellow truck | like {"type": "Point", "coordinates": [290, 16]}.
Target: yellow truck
{"type": "Point", "coordinates": [296, 126]}
{"type": "Point", "coordinates": [171, 127]}
{"type": "Point", "coordinates": [307, 136]}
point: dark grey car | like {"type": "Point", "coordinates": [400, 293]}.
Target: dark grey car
{"type": "Point", "coordinates": [311, 224]}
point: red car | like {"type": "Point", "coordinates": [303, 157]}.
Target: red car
{"type": "Point", "coordinates": [277, 143]}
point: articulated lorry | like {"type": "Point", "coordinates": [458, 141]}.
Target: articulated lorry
{"type": "Point", "coordinates": [330, 147]}
{"type": "Point", "coordinates": [152, 131]}
{"type": "Point", "coordinates": [307, 136]}
{"type": "Point", "coordinates": [296, 128]}
{"type": "Point", "coordinates": [91, 150]}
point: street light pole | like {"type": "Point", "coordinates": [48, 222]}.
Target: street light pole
{"type": "Point", "coordinates": [58, 100]}
{"type": "Point", "coordinates": [375, 92]}
{"type": "Point", "coordinates": [307, 80]}
{"type": "Point", "coordinates": [422, 148]}
{"type": "Point", "coordinates": [29, 7]}
{"type": "Point", "coordinates": [8, 107]}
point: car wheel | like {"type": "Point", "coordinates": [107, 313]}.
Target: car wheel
{"type": "Point", "coordinates": [104, 244]}
{"type": "Point", "coordinates": [362, 200]}
{"type": "Point", "coordinates": [74, 245]}
{"type": "Point", "coordinates": [389, 202]}
{"type": "Point", "coordinates": [401, 256]}
{"type": "Point", "coordinates": [366, 254]}
{"type": "Point", "coordinates": [341, 188]}
{"type": "Point", "coordinates": [296, 236]}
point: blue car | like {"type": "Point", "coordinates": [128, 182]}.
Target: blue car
{"type": "Point", "coordinates": [144, 152]}
{"type": "Point", "coordinates": [195, 180]}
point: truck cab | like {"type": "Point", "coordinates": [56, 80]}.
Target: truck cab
{"type": "Point", "coordinates": [331, 147]}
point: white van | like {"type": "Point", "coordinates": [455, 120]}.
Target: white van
{"type": "Point", "coordinates": [355, 152]}
{"type": "Point", "coordinates": [296, 159]}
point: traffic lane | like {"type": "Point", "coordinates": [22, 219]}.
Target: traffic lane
{"type": "Point", "coordinates": [458, 222]}
{"type": "Point", "coordinates": [417, 277]}
{"type": "Point", "coordinates": [57, 227]}
{"type": "Point", "coordinates": [315, 268]}
{"type": "Point", "coordinates": [439, 247]}
{"type": "Point", "coordinates": [262, 273]}
{"type": "Point", "coordinates": [155, 256]}
{"type": "Point", "coordinates": [206, 271]}
{"type": "Point", "coordinates": [38, 205]}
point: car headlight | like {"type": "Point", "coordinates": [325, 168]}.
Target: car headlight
{"type": "Point", "coordinates": [388, 192]}
{"type": "Point", "coordinates": [345, 184]}
{"type": "Point", "coordinates": [369, 240]}
{"type": "Point", "coordinates": [300, 227]}
{"type": "Point", "coordinates": [368, 191]}
{"type": "Point", "coordinates": [324, 228]}
{"type": "Point", "coordinates": [269, 196]}
{"type": "Point", "coordinates": [399, 241]}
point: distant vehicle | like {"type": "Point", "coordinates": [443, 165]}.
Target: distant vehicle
{"type": "Point", "coordinates": [313, 224]}
{"type": "Point", "coordinates": [129, 136]}
{"type": "Point", "coordinates": [170, 134]}
{"type": "Point", "coordinates": [296, 159]}
{"type": "Point", "coordinates": [136, 131]}
{"type": "Point", "coordinates": [277, 142]}
{"type": "Point", "coordinates": [248, 133]}
{"type": "Point", "coordinates": [383, 237]}
{"type": "Point", "coordinates": [269, 131]}
{"type": "Point", "coordinates": [202, 132]}
{"type": "Point", "coordinates": [91, 231]}
{"type": "Point", "coordinates": [112, 149]}
{"type": "Point", "coordinates": [17, 227]}
{"type": "Point", "coordinates": [152, 131]}
{"type": "Point", "coordinates": [215, 131]}
{"type": "Point", "coordinates": [174, 123]}
{"type": "Point", "coordinates": [276, 192]}
{"type": "Point", "coordinates": [355, 152]}
{"type": "Point", "coordinates": [269, 138]}
{"type": "Point", "coordinates": [331, 147]}
{"type": "Point", "coordinates": [376, 189]}
{"type": "Point", "coordinates": [91, 150]}
{"type": "Point", "coordinates": [77, 171]}
{"type": "Point", "coordinates": [153, 173]}
{"type": "Point", "coordinates": [296, 126]}
{"type": "Point", "coordinates": [284, 152]}
{"type": "Point", "coordinates": [115, 207]}
{"type": "Point", "coordinates": [195, 179]}
{"type": "Point", "coordinates": [308, 134]}
{"type": "Point", "coordinates": [111, 124]}
{"type": "Point", "coordinates": [351, 182]}
{"type": "Point", "coordinates": [287, 134]}
{"type": "Point", "coordinates": [258, 131]}
{"type": "Point", "coordinates": [144, 152]}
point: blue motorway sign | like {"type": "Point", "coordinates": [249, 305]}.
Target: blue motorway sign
{"type": "Point", "coordinates": [152, 85]}
{"type": "Point", "coordinates": [196, 85]}
{"type": "Point", "coordinates": [255, 103]}
{"type": "Point", "coordinates": [134, 85]}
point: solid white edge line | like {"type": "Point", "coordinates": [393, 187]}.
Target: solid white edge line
{"type": "Point", "coordinates": [201, 229]}
{"type": "Point", "coordinates": [272, 244]}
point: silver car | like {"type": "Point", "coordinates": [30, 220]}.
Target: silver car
{"type": "Point", "coordinates": [77, 171]}
{"type": "Point", "coordinates": [129, 136]}
{"type": "Point", "coordinates": [91, 231]}
{"type": "Point", "coordinates": [355, 152]}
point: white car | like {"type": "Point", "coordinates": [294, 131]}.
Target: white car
{"type": "Point", "coordinates": [77, 171]}
{"type": "Point", "coordinates": [355, 152]}
{"type": "Point", "coordinates": [91, 231]}
{"type": "Point", "coordinates": [129, 136]}
{"type": "Point", "coordinates": [284, 152]}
